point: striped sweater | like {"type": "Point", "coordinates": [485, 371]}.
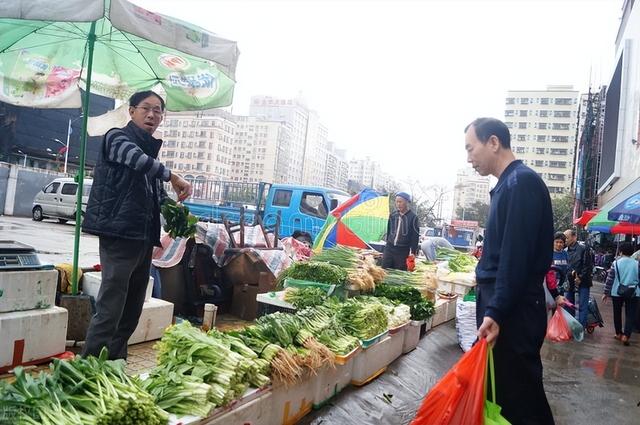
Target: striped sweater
{"type": "Point", "coordinates": [121, 150]}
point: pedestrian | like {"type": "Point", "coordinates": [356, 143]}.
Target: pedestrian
{"type": "Point", "coordinates": [579, 276]}
{"type": "Point", "coordinates": [560, 259]}
{"type": "Point", "coordinates": [622, 287]}
{"type": "Point", "coordinates": [517, 252]}
{"type": "Point", "coordinates": [124, 212]}
{"type": "Point", "coordinates": [431, 244]}
{"type": "Point", "coordinates": [477, 252]}
{"type": "Point", "coordinates": [403, 234]}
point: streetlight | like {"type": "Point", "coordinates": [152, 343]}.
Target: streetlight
{"type": "Point", "coordinates": [66, 152]}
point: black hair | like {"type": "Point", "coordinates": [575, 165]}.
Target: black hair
{"type": "Point", "coordinates": [561, 236]}
{"type": "Point", "coordinates": [487, 127]}
{"type": "Point", "coordinates": [138, 97]}
{"type": "Point", "coordinates": [626, 248]}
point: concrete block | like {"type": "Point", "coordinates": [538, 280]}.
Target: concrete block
{"type": "Point", "coordinates": [31, 336]}
{"type": "Point", "coordinates": [80, 313]}
{"type": "Point", "coordinates": [27, 289]}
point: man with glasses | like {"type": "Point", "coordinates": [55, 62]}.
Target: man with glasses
{"type": "Point", "coordinates": [124, 211]}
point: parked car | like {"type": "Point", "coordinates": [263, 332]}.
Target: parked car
{"type": "Point", "coordinates": [58, 200]}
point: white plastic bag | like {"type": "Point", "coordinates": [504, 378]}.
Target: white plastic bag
{"type": "Point", "coordinates": [466, 327]}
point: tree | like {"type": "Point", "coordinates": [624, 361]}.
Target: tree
{"type": "Point", "coordinates": [478, 211]}
{"type": "Point", "coordinates": [562, 212]}
{"type": "Point", "coordinates": [426, 201]}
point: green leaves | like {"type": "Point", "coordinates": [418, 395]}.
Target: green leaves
{"type": "Point", "coordinates": [179, 222]}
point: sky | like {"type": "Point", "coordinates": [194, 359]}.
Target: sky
{"type": "Point", "coordinates": [399, 80]}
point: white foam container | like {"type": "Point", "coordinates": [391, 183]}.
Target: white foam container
{"type": "Point", "coordinates": [156, 316]}
{"type": "Point", "coordinates": [32, 335]}
{"type": "Point", "coordinates": [332, 380]}
{"type": "Point", "coordinates": [411, 336]}
{"type": "Point", "coordinates": [373, 361]}
{"type": "Point", "coordinates": [27, 290]}
{"type": "Point", "coordinates": [91, 285]}
{"type": "Point", "coordinates": [290, 404]}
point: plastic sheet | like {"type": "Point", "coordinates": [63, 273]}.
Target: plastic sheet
{"type": "Point", "coordinates": [577, 331]}
{"type": "Point", "coordinates": [558, 330]}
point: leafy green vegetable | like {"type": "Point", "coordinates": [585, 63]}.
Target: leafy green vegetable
{"type": "Point", "coordinates": [423, 310]}
{"type": "Point", "coordinates": [362, 319]}
{"type": "Point", "coordinates": [315, 272]}
{"type": "Point", "coordinates": [305, 297]}
{"type": "Point", "coordinates": [339, 255]}
{"type": "Point", "coordinates": [179, 222]}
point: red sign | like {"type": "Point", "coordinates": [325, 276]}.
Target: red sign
{"type": "Point", "coordinates": [464, 223]}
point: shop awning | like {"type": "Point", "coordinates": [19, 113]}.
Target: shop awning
{"type": "Point", "coordinates": [601, 222]}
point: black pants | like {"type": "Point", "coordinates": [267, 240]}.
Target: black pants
{"type": "Point", "coordinates": [395, 257]}
{"type": "Point", "coordinates": [125, 275]}
{"type": "Point", "coordinates": [630, 307]}
{"type": "Point", "coordinates": [518, 367]}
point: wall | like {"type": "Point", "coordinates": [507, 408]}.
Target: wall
{"type": "Point", "coordinates": [19, 185]}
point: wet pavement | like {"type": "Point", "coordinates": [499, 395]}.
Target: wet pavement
{"type": "Point", "coordinates": [596, 381]}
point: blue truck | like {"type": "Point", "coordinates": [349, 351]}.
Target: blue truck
{"type": "Point", "coordinates": [301, 208]}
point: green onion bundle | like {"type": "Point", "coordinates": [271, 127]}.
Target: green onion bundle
{"type": "Point", "coordinates": [362, 319]}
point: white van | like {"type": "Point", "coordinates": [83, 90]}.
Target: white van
{"type": "Point", "coordinates": [58, 200]}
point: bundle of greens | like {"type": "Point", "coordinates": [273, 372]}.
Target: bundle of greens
{"type": "Point", "coordinates": [339, 255]}
{"type": "Point", "coordinates": [305, 297]}
{"type": "Point", "coordinates": [463, 263]}
{"type": "Point", "coordinates": [362, 319]}
{"type": "Point", "coordinates": [423, 310]}
{"type": "Point", "coordinates": [399, 277]}
{"type": "Point", "coordinates": [402, 293]}
{"type": "Point", "coordinates": [178, 221]}
{"type": "Point", "coordinates": [321, 322]}
{"type": "Point", "coordinates": [179, 394]}
{"type": "Point", "coordinates": [397, 314]}
{"type": "Point", "coordinates": [315, 272]}
{"type": "Point", "coordinates": [92, 391]}
{"type": "Point", "coordinates": [189, 351]}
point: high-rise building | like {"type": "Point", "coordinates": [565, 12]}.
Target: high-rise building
{"type": "Point", "coordinates": [260, 151]}
{"type": "Point", "coordinates": [336, 168]}
{"type": "Point", "coordinates": [365, 172]}
{"type": "Point", "coordinates": [470, 188]}
{"type": "Point", "coordinates": [308, 136]}
{"type": "Point", "coordinates": [198, 145]}
{"type": "Point", "coordinates": [543, 132]}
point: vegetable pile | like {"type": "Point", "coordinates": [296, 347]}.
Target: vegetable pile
{"type": "Point", "coordinates": [421, 308]}
{"type": "Point", "coordinates": [362, 319]}
{"type": "Point", "coordinates": [458, 261]}
{"type": "Point", "coordinates": [305, 297]}
{"type": "Point", "coordinates": [179, 222]}
{"type": "Point", "coordinates": [315, 272]}
{"type": "Point", "coordinates": [88, 391]}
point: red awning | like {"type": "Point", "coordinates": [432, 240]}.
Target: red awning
{"type": "Point", "coordinates": [585, 217]}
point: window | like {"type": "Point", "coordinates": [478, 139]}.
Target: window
{"type": "Point", "coordinates": [541, 138]}
{"type": "Point", "coordinates": [523, 113]}
{"type": "Point", "coordinates": [560, 126]}
{"type": "Point", "coordinates": [563, 101]}
{"type": "Point", "coordinates": [52, 188]}
{"type": "Point", "coordinates": [559, 152]}
{"type": "Point", "coordinates": [540, 151]}
{"type": "Point", "coordinates": [560, 139]}
{"type": "Point", "coordinates": [553, 189]}
{"type": "Point", "coordinates": [522, 125]}
{"type": "Point", "coordinates": [524, 100]}
{"type": "Point", "coordinates": [544, 100]}
{"type": "Point", "coordinates": [543, 114]}
{"type": "Point", "coordinates": [542, 126]}
{"type": "Point", "coordinates": [508, 113]}
{"type": "Point", "coordinates": [520, 149]}
{"type": "Point", "coordinates": [69, 189]}
{"type": "Point", "coordinates": [557, 177]}
{"type": "Point", "coordinates": [509, 124]}
{"type": "Point", "coordinates": [558, 164]}
{"type": "Point", "coordinates": [521, 138]}
{"type": "Point", "coordinates": [282, 198]}
{"type": "Point", "coordinates": [313, 204]}
{"type": "Point", "coordinates": [562, 114]}
{"type": "Point", "coordinates": [538, 163]}
{"type": "Point", "coordinates": [510, 101]}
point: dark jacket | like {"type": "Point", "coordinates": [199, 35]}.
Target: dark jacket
{"type": "Point", "coordinates": [409, 234]}
{"type": "Point", "coordinates": [127, 187]}
{"type": "Point", "coordinates": [581, 264]}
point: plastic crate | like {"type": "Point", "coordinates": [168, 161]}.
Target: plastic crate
{"type": "Point", "coordinates": [332, 380]}
{"type": "Point", "coordinates": [369, 342]}
{"type": "Point", "coordinates": [272, 302]}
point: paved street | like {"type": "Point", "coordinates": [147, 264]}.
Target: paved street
{"type": "Point", "coordinates": [52, 240]}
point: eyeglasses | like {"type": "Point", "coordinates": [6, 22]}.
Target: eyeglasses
{"type": "Point", "coordinates": [156, 110]}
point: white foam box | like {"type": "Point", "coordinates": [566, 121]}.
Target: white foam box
{"type": "Point", "coordinates": [27, 289]}
{"type": "Point", "coordinates": [32, 335]}
{"type": "Point", "coordinates": [411, 336]}
{"type": "Point", "coordinates": [332, 380]}
{"type": "Point", "coordinates": [373, 361]}
{"type": "Point", "coordinates": [460, 288]}
{"type": "Point", "coordinates": [255, 412]}
{"type": "Point", "coordinates": [445, 311]}
{"type": "Point", "coordinates": [292, 403]}
{"type": "Point", "coordinates": [156, 316]}
{"type": "Point", "coordinates": [91, 285]}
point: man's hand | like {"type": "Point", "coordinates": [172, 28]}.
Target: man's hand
{"type": "Point", "coordinates": [489, 330]}
{"type": "Point", "coordinates": [560, 300]}
{"type": "Point", "coordinates": [181, 187]}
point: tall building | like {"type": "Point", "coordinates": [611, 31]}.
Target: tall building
{"type": "Point", "coordinates": [364, 171]}
{"type": "Point", "coordinates": [260, 151]}
{"type": "Point", "coordinates": [199, 145]}
{"type": "Point", "coordinates": [336, 168]}
{"type": "Point", "coordinates": [470, 188]}
{"type": "Point", "coordinates": [308, 136]}
{"type": "Point", "coordinates": [543, 132]}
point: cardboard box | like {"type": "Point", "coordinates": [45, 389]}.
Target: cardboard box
{"type": "Point", "coordinates": [244, 303]}
{"type": "Point", "coordinates": [31, 336]}
{"type": "Point", "coordinates": [91, 285]}
{"type": "Point", "coordinates": [156, 316]}
{"type": "Point", "coordinates": [27, 290]}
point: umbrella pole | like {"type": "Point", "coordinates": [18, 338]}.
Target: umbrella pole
{"type": "Point", "coordinates": [83, 150]}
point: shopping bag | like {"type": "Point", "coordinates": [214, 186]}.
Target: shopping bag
{"type": "Point", "coordinates": [492, 415]}
{"type": "Point", "coordinates": [577, 331]}
{"type": "Point", "coordinates": [411, 263]}
{"type": "Point", "coordinates": [558, 330]}
{"type": "Point", "coordinates": [458, 398]}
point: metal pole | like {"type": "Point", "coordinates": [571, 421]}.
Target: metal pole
{"type": "Point", "coordinates": [83, 149]}
{"type": "Point", "coordinates": [66, 153]}
{"type": "Point", "coordinates": [24, 163]}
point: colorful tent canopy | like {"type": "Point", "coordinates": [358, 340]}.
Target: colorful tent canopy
{"type": "Point", "coordinates": [585, 217]}
{"type": "Point", "coordinates": [627, 210]}
{"type": "Point", "coordinates": [360, 220]}
{"type": "Point", "coordinates": [602, 223]}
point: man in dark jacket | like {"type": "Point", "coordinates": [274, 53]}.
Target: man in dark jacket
{"type": "Point", "coordinates": [124, 211]}
{"type": "Point", "coordinates": [579, 275]}
{"type": "Point", "coordinates": [403, 234]}
{"type": "Point", "coordinates": [510, 299]}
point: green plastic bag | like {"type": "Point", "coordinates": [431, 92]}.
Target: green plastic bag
{"type": "Point", "coordinates": [492, 414]}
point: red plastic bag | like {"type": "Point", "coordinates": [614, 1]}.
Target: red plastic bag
{"type": "Point", "coordinates": [558, 329]}
{"type": "Point", "coordinates": [458, 398]}
{"type": "Point", "coordinates": [411, 263]}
